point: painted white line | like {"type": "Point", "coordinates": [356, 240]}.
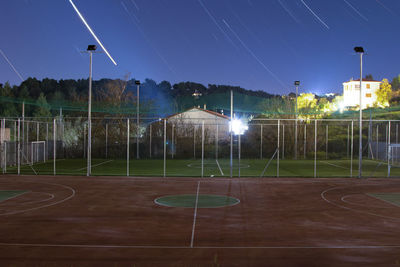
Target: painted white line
{"type": "Point", "coordinates": [335, 165]}
{"type": "Point", "coordinates": [219, 167]}
{"type": "Point", "coordinates": [200, 247]}
{"type": "Point", "coordinates": [45, 206]}
{"type": "Point", "coordinates": [101, 163]}
{"type": "Point", "coordinates": [347, 208]}
{"type": "Point", "coordinates": [371, 195]}
{"type": "Point", "coordinates": [15, 195]}
{"type": "Point", "coordinates": [361, 205]}
{"type": "Point", "coordinates": [195, 213]}
{"type": "Point", "coordinates": [38, 201]}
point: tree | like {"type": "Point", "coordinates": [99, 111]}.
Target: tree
{"type": "Point", "coordinates": [7, 109]}
{"type": "Point", "coordinates": [43, 108]}
{"type": "Point", "coordinates": [369, 77]}
{"type": "Point", "coordinates": [396, 83]}
{"type": "Point", "coordinates": [383, 94]}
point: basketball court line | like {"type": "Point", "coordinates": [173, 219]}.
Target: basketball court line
{"type": "Point", "coordinates": [196, 247]}
{"type": "Point", "coordinates": [371, 195]}
{"type": "Point", "coordinates": [14, 196]}
{"type": "Point", "coordinates": [44, 206]}
{"type": "Point", "coordinates": [195, 214]}
{"type": "Point", "coordinates": [347, 208]}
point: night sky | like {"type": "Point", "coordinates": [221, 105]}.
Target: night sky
{"type": "Point", "coordinates": [255, 44]}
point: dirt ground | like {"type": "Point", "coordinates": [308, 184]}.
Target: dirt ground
{"type": "Point", "coordinates": [114, 221]}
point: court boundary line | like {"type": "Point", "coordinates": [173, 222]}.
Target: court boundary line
{"type": "Point", "coordinates": [95, 165]}
{"type": "Point", "coordinates": [195, 214]}
{"type": "Point", "coordinates": [219, 167]}
{"type": "Point", "coordinates": [1, 201]}
{"type": "Point", "coordinates": [196, 247]}
{"type": "Point", "coordinates": [338, 166]}
{"type": "Point", "coordinates": [371, 195]}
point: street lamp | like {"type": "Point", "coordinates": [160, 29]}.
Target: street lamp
{"type": "Point", "coordinates": [90, 49]}
{"type": "Point", "coordinates": [360, 51]}
{"type": "Point", "coordinates": [296, 83]}
{"type": "Point", "coordinates": [137, 119]}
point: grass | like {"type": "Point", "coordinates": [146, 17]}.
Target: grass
{"type": "Point", "coordinates": [192, 168]}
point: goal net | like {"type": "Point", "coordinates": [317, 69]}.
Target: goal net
{"type": "Point", "coordinates": [37, 152]}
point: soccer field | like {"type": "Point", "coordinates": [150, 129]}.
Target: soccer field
{"type": "Point", "coordinates": [211, 168]}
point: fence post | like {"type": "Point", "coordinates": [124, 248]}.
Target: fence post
{"type": "Point", "coordinates": [202, 148]}
{"type": "Point", "coordinates": [351, 149]}
{"type": "Point", "coordinates": [388, 156]}
{"type": "Point", "coordinates": [106, 140]}
{"type": "Point", "coordinates": [305, 140]}
{"type": "Point", "coordinates": [315, 149]}
{"type": "Point", "coordinates": [377, 141]}
{"type": "Point", "coordinates": [127, 147]}
{"type": "Point", "coordinates": [283, 141]}
{"type": "Point", "coordinates": [277, 156]}
{"type": "Point", "coordinates": [172, 141]}
{"type": "Point", "coordinates": [216, 142]}
{"type": "Point", "coordinates": [194, 141]}
{"type": "Point", "coordinates": [261, 141]}
{"type": "Point", "coordinates": [165, 146]}
{"type": "Point", "coordinates": [239, 153]}
{"type": "Point", "coordinates": [19, 147]}
{"type": "Point", "coordinates": [327, 138]}
{"type": "Point", "coordinates": [54, 147]}
{"type": "Point", "coordinates": [150, 140]}
{"type": "Point", "coordinates": [47, 142]}
{"type": "Point", "coordinates": [348, 141]}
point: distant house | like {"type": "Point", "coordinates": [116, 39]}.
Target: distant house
{"type": "Point", "coordinates": [351, 92]}
{"type": "Point", "coordinates": [192, 119]}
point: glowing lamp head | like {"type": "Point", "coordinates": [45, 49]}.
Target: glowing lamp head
{"type": "Point", "coordinates": [91, 48]}
{"type": "Point", "coordinates": [238, 127]}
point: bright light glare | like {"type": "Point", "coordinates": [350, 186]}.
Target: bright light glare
{"type": "Point", "coordinates": [238, 127]}
{"type": "Point", "coordinates": [91, 31]}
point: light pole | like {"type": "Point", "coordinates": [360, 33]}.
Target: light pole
{"type": "Point", "coordinates": [296, 83]}
{"type": "Point", "coordinates": [137, 119]}
{"type": "Point", "coordinates": [90, 50]}
{"type": "Point", "coordinates": [360, 51]}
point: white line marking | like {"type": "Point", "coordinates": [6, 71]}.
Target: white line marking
{"type": "Point", "coordinates": [45, 206]}
{"type": "Point", "coordinates": [371, 195]}
{"type": "Point", "coordinates": [101, 163]}
{"type": "Point", "coordinates": [15, 195]}
{"type": "Point", "coordinates": [334, 165]}
{"type": "Point", "coordinates": [219, 167]}
{"type": "Point", "coordinates": [355, 210]}
{"type": "Point", "coordinates": [195, 213]}
{"type": "Point", "coordinates": [201, 247]}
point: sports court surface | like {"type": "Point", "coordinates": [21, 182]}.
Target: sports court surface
{"type": "Point", "coordinates": [121, 221]}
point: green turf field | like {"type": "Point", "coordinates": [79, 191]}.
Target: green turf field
{"type": "Point", "coordinates": [192, 168]}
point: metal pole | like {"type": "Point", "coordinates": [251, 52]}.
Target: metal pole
{"type": "Point", "coordinates": [295, 128]}
{"type": "Point", "coordinates": [2, 142]}
{"type": "Point", "coordinates": [216, 142]}
{"type": "Point", "coordinates": [386, 141]}
{"type": "Point", "coordinates": [106, 140]}
{"type": "Point", "coordinates": [277, 156]}
{"type": "Point", "coordinates": [283, 141]}
{"type": "Point", "coordinates": [172, 141]}
{"type": "Point", "coordinates": [315, 149]}
{"type": "Point", "coordinates": [19, 147]}
{"type": "Point", "coordinates": [239, 154]}
{"type": "Point", "coordinates": [127, 147]}
{"type": "Point", "coordinates": [84, 141]}
{"type": "Point", "coordinates": [326, 141]}
{"type": "Point", "coordinates": [89, 150]}
{"type": "Point", "coordinates": [137, 122]}
{"type": "Point", "coordinates": [202, 148]}
{"type": "Point", "coordinates": [15, 141]}
{"type": "Point", "coordinates": [150, 139]}
{"type": "Point", "coordinates": [194, 141]}
{"type": "Point", "coordinates": [47, 142]}
{"type": "Point", "coordinates": [37, 139]}
{"type": "Point", "coordinates": [261, 141]}
{"type": "Point", "coordinates": [348, 141]}
{"type": "Point", "coordinates": [351, 150]}
{"type": "Point", "coordinates": [360, 130]}
{"type": "Point", "coordinates": [231, 143]}
{"type": "Point", "coordinates": [54, 147]}
{"type": "Point", "coordinates": [305, 140]}
{"type": "Point", "coordinates": [377, 141]}
{"type": "Point", "coordinates": [23, 125]}
{"type": "Point", "coordinates": [389, 150]}
{"type": "Point", "coordinates": [165, 147]}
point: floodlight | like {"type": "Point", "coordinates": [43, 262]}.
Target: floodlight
{"type": "Point", "coordinates": [297, 83]}
{"type": "Point", "coordinates": [91, 48]}
{"type": "Point", "coordinates": [137, 82]}
{"type": "Point", "coordinates": [238, 127]}
{"type": "Point", "coordinates": [359, 49]}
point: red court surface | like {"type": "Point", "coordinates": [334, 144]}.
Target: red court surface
{"type": "Point", "coordinates": [114, 221]}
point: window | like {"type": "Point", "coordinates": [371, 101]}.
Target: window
{"type": "Point", "coordinates": [368, 95]}
{"type": "Point", "coordinates": [368, 86]}
{"type": "Point", "coordinates": [357, 86]}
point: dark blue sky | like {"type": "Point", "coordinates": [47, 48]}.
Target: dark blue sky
{"type": "Point", "coordinates": [256, 44]}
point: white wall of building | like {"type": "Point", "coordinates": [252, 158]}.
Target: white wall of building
{"type": "Point", "coordinates": [351, 93]}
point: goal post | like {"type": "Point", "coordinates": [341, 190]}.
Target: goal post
{"type": "Point", "coordinates": [38, 151]}
{"type": "Point", "coordinates": [393, 157]}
